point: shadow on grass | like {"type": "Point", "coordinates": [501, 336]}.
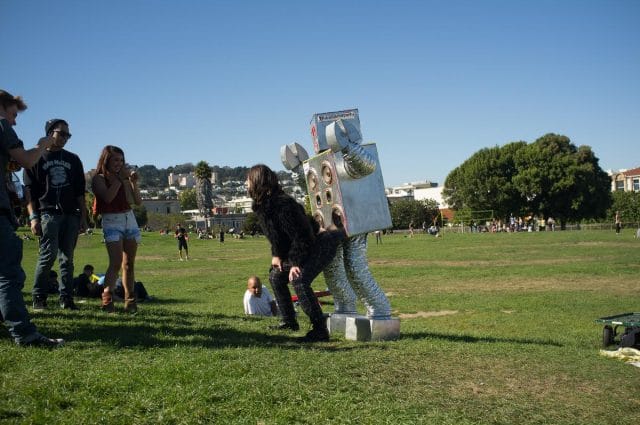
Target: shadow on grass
{"type": "Point", "coordinates": [164, 328]}
{"type": "Point", "coordinates": [476, 339]}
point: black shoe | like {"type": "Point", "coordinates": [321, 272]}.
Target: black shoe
{"type": "Point", "coordinates": [286, 325]}
{"type": "Point", "coordinates": [315, 335]}
{"type": "Point", "coordinates": [68, 304]}
{"type": "Point", "coordinates": [39, 340]}
{"type": "Point", "coordinates": [39, 303]}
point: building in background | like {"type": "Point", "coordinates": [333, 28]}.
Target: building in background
{"type": "Point", "coordinates": [625, 180]}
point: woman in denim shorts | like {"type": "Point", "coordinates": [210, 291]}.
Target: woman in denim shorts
{"type": "Point", "coordinates": [115, 189]}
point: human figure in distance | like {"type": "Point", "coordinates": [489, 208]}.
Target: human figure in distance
{"type": "Point", "coordinates": [182, 237]}
{"type": "Point", "coordinates": [12, 307]}
{"type": "Point", "coordinates": [54, 189]}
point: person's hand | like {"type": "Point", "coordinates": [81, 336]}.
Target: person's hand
{"type": "Point", "coordinates": [36, 227]}
{"type": "Point", "coordinates": [45, 142]}
{"type": "Point", "coordinates": [276, 262]}
{"type": "Point", "coordinates": [133, 177]}
{"type": "Point", "coordinates": [294, 273]}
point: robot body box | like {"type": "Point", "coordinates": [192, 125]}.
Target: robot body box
{"type": "Point", "coordinates": [359, 205]}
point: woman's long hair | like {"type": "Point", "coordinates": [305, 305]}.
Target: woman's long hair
{"type": "Point", "coordinates": [105, 156]}
{"type": "Point", "coordinates": [263, 182]}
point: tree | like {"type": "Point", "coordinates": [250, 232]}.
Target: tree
{"type": "Point", "coordinates": [628, 203]}
{"type": "Point", "coordinates": [484, 181]}
{"type": "Point", "coordinates": [551, 177]}
{"type": "Point", "coordinates": [188, 199]}
{"type": "Point", "coordinates": [204, 193]}
{"type": "Point", "coordinates": [561, 180]}
{"type": "Point", "coordinates": [405, 211]}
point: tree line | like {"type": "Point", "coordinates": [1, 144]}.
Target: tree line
{"type": "Point", "coordinates": [152, 177]}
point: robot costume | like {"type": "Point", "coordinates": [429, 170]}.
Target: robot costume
{"type": "Point", "coordinates": [346, 190]}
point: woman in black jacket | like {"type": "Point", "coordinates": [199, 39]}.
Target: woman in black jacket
{"type": "Point", "coordinates": [298, 253]}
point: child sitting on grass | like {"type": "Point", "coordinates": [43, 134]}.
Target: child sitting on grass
{"type": "Point", "coordinates": [257, 299]}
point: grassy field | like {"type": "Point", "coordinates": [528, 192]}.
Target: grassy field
{"type": "Point", "coordinates": [495, 329]}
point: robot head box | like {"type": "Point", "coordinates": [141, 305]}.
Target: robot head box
{"type": "Point", "coordinates": [358, 204]}
{"type": "Point", "coordinates": [319, 123]}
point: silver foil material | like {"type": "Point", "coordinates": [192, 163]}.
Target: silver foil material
{"type": "Point", "coordinates": [350, 269]}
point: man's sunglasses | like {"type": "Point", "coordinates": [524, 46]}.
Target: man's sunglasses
{"type": "Point", "coordinates": [63, 133]}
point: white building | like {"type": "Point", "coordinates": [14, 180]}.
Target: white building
{"type": "Point", "coordinates": [418, 191]}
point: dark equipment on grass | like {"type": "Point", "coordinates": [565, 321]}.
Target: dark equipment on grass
{"type": "Point", "coordinates": [631, 335]}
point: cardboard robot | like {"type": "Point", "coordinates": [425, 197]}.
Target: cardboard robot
{"type": "Point", "coordinates": [346, 190]}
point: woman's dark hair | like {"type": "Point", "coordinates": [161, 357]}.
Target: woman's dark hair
{"type": "Point", "coordinates": [105, 156]}
{"type": "Point", "coordinates": [262, 182]}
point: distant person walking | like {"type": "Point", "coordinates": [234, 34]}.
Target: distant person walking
{"type": "Point", "coordinates": [182, 237]}
{"type": "Point", "coordinates": [54, 189]}
{"type": "Point", "coordinates": [13, 311]}
{"type": "Point", "coordinates": [116, 188]}
{"type": "Point", "coordinates": [618, 222]}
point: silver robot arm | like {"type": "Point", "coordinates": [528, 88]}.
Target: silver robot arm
{"type": "Point", "coordinates": [292, 157]}
{"type": "Point", "coordinates": [344, 137]}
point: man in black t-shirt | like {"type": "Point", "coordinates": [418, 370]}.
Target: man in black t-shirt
{"type": "Point", "coordinates": [54, 189]}
{"type": "Point", "coordinates": [181, 236]}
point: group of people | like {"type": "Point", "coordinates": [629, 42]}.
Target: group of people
{"type": "Point", "coordinates": [54, 191]}
{"type": "Point", "coordinates": [55, 194]}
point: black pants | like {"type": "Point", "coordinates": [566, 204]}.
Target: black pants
{"type": "Point", "coordinates": [320, 256]}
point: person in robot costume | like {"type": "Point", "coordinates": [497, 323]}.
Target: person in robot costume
{"type": "Point", "coordinates": [347, 276]}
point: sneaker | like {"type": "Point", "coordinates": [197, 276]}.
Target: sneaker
{"type": "Point", "coordinates": [68, 304]}
{"type": "Point", "coordinates": [39, 340]}
{"type": "Point", "coordinates": [286, 325]}
{"type": "Point", "coordinates": [315, 335]}
{"type": "Point", "coordinates": [39, 303]}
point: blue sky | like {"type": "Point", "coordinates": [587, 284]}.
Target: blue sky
{"type": "Point", "coordinates": [229, 82]}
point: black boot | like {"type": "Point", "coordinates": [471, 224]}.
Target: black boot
{"type": "Point", "coordinates": [293, 325]}
{"type": "Point", "coordinates": [318, 333]}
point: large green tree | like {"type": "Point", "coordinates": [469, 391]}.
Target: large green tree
{"type": "Point", "coordinates": [563, 181]}
{"type": "Point", "coordinates": [484, 181]}
{"type": "Point", "coordinates": [551, 177]}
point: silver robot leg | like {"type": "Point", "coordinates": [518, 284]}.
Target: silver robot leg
{"type": "Point", "coordinates": [363, 283]}
{"type": "Point", "coordinates": [335, 276]}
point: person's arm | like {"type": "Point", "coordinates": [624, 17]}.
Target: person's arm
{"type": "Point", "coordinates": [29, 158]}
{"type": "Point", "coordinates": [34, 216]}
{"type": "Point", "coordinates": [100, 188]}
{"type": "Point", "coordinates": [133, 181]}
{"type": "Point", "coordinates": [245, 301]}
{"type": "Point", "coordinates": [79, 189]}
{"type": "Point", "coordinates": [297, 228]}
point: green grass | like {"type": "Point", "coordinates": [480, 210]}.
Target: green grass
{"type": "Point", "coordinates": [495, 329]}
